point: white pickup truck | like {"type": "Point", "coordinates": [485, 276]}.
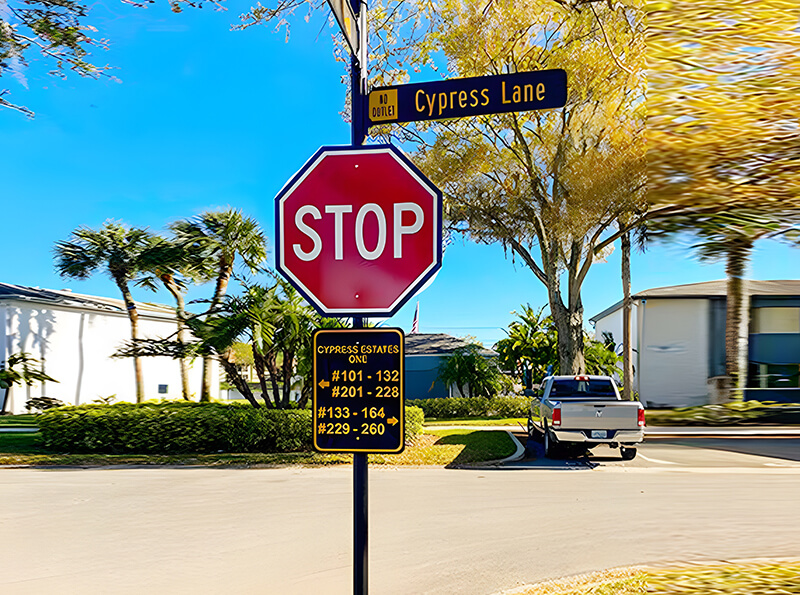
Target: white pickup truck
{"type": "Point", "coordinates": [576, 413]}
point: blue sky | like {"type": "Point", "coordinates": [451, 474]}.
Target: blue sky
{"type": "Point", "coordinates": [206, 117]}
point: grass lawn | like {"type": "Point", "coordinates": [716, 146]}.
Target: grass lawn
{"type": "Point", "coordinates": [749, 578]}
{"type": "Point", "coordinates": [26, 419]}
{"type": "Point", "coordinates": [478, 421]}
{"type": "Point", "coordinates": [450, 448]}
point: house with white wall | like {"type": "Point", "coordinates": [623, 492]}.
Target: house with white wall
{"type": "Point", "coordinates": [74, 336]}
{"type": "Point", "coordinates": [678, 336]}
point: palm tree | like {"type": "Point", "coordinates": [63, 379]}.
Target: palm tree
{"type": "Point", "coordinates": [217, 237]}
{"type": "Point", "coordinates": [173, 265]}
{"type": "Point", "coordinates": [730, 236]}
{"type": "Point", "coordinates": [116, 248]}
{"type": "Point", "coordinates": [530, 347]}
{"type": "Point", "coordinates": [19, 369]}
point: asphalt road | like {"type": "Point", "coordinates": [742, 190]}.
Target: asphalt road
{"type": "Point", "coordinates": [287, 531]}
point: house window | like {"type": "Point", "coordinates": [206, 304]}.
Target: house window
{"type": "Point", "coordinates": [774, 376]}
{"type": "Point", "coordinates": [163, 389]}
{"type": "Point", "coordinates": [775, 320]}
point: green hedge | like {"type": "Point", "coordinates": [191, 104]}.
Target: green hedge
{"type": "Point", "coordinates": [415, 419]}
{"type": "Point", "coordinates": [182, 427]}
{"type": "Point", "coordinates": [462, 407]}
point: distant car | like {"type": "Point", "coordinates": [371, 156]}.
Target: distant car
{"type": "Point", "coordinates": [576, 413]}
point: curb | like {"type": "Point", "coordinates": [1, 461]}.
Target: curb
{"type": "Point", "coordinates": [519, 453]}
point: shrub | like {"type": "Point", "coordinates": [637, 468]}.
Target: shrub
{"type": "Point", "coordinates": [183, 427]}
{"type": "Point", "coordinates": [415, 418]}
{"type": "Point", "coordinates": [175, 427]}
{"type": "Point", "coordinates": [461, 407]}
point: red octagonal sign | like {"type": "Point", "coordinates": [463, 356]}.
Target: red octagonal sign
{"type": "Point", "coordinates": [359, 230]}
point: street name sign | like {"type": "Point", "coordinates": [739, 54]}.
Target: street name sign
{"type": "Point", "coordinates": [358, 230]}
{"type": "Point", "coordinates": [358, 390]}
{"type": "Point", "coordinates": [474, 96]}
{"type": "Point", "coordinates": [348, 22]}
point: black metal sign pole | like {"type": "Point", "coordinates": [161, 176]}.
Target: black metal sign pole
{"type": "Point", "coordinates": [358, 133]}
{"type": "Point", "coordinates": [360, 501]}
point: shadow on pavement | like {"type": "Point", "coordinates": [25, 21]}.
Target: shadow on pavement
{"type": "Point", "coordinates": [535, 459]}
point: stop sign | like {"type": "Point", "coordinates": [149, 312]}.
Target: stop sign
{"type": "Point", "coordinates": [359, 230]}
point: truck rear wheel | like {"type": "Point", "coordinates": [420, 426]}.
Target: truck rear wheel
{"type": "Point", "coordinates": [628, 454]}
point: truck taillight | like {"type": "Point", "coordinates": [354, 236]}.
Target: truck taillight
{"type": "Point", "coordinates": [557, 417]}
{"type": "Point", "coordinates": [641, 417]}
{"type": "Point", "coordinates": [582, 378]}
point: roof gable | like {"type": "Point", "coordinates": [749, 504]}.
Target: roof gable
{"type": "Point", "coordinates": [712, 289]}
{"type": "Point", "coordinates": [436, 344]}
{"type": "Point", "coordinates": [75, 300]}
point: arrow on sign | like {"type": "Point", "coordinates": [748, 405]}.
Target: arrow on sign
{"type": "Point", "coordinates": [324, 384]}
{"type": "Point", "coordinates": [391, 421]}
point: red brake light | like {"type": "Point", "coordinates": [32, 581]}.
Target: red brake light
{"type": "Point", "coordinates": [557, 417]}
{"type": "Point", "coordinates": [582, 378]}
{"type": "Point", "coordinates": [641, 417]}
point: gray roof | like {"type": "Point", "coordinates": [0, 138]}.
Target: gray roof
{"type": "Point", "coordinates": [708, 289]}
{"type": "Point", "coordinates": [436, 344]}
{"type": "Point", "coordinates": [67, 298]}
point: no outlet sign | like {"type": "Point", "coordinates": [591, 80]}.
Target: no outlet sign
{"type": "Point", "coordinates": [359, 230]}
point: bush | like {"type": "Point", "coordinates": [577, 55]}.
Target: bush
{"type": "Point", "coordinates": [415, 418]}
{"type": "Point", "coordinates": [462, 407]}
{"type": "Point", "coordinates": [174, 427]}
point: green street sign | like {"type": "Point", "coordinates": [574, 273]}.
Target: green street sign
{"type": "Point", "coordinates": [463, 97]}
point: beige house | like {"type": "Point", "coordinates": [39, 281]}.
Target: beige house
{"type": "Point", "coordinates": [679, 341]}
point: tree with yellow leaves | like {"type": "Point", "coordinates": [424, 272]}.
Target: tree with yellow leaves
{"type": "Point", "coordinates": [723, 135]}
{"type": "Point", "coordinates": [550, 185]}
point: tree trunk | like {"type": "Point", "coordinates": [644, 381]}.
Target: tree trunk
{"type": "Point", "coordinates": [272, 367]}
{"type": "Point", "coordinates": [287, 369]}
{"type": "Point", "coordinates": [568, 321]}
{"type": "Point", "coordinates": [5, 401]}
{"type": "Point", "coordinates": [259, 363]}
{"type": "Point", "coordinates": [239, 382]}
{"type": "Point", "coordinates": [172, 287]}
{"type": "Point", "coordinates": [133, 316]}
{"type": "Point", "coordinates": [219, 293]}
{"type": "Point", "coordinates": [627, 347]}
{"type": "Point", "coordinates": [735, 342]}
{"type": "Point", "coordinates": [569, 326]}
{"type": "Point", "coordinates": [305, 394]}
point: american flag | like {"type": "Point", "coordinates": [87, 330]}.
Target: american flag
{"type": "Point", "coordinates": [415, 324]}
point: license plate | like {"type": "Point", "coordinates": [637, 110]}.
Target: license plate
{"type": "Point", "coordinates": [599, 434]}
